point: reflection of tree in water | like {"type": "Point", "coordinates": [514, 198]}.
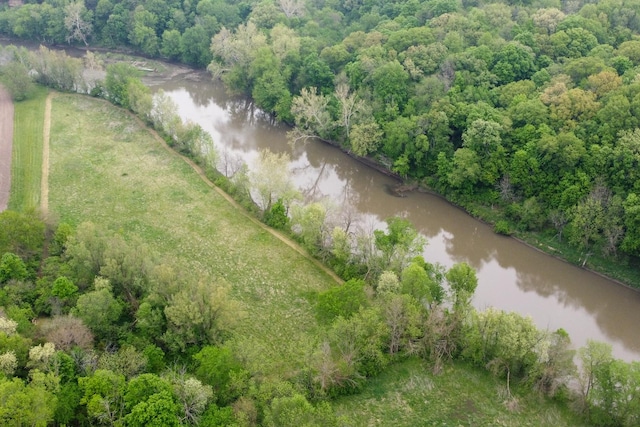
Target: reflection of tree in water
{"type": "Point", "coordinates": [611, 307]}
{"type": "Point", "coordinates": [470, 248]}
{"type": "Point", "coordinates": [529, 281]}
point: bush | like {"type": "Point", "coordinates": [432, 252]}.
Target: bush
{"type": "Point", "coordinates": [502, 227]}
{"type": "Point", "coordinates": [343, 300]}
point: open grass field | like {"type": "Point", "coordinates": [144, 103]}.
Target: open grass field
{"type": "Point", "coordinates": [409, 395]}
{"type": "Point", "coordinates": [26, 166]}
{"type": "Point", "coordinates": [107, 169]}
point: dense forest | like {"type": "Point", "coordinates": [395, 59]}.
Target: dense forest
{"type": "Point", "coordinates": [526, 107]}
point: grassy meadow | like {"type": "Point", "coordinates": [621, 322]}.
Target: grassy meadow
{"type": "Point", "coordinates": [107, 169]}
{"type": "Point", "coordinates": [408, 394]}
{"type": "Point", "coordinates": [26, 164]}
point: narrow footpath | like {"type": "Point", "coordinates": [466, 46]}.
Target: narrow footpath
{"type": "Point", "coordinates": [6, 144]}
{"type": "Point", "coordinates": [46, 135]}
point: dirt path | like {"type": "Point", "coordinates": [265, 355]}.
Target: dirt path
{"type": "Point", "coordinates": [6, 143]}
{"type": "Point", "coordinates": [46, 134]}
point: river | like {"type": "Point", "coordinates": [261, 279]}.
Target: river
{"type": "Point", "coordinates": [511, 275]}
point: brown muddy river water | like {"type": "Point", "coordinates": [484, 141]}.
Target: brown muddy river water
{"type": "Point", "coordinates": [511, 275]}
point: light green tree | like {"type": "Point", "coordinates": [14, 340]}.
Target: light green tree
{"type": "Point", "coordinates": [270, 180]}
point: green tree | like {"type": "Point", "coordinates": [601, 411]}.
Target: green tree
{"type": "Point", "coordinates": [159, 410]}
{"type": "Point", "coordinates": [593, 357]}
{"type": "Point", "coordinates": [402, 315]}
{"type": "Point", "coordinates": [30, 404]}
{"type": "Point", "coordinates": [341, 301]}
{"type": "Point", "coordinates": [199, 314]}
{"type": "Point", "coordinates": [12, 268]}
{"type": "Point", "coordinates": [77, 21]}
{"type": "Point", "coordinates": [631, 242]}
{"type": "Point", "coordinates": [484, 137]}
{"type": "Point", "coordinates": [391, 84]}
{"type": "Point", "coordinates": [308, 222]}
{"type": "Point", "coordinates": [463, 282]}
{"type": "Point", "coordinates": [365, 138]}
{"type": "Point", "coordinates": [64, 291]}
{"type": "Point", "coordinates": [465, 170]}
{"type": "Point", "coordinates": [103, 396]}
{"type": "Point", "coordinates": [270, 180]}
{"type": "Point", "coordinates": [615, 398]}
{"type": "Point", "coordinates": [15, 77]}
{"type": "Point", "coordinates": [140, 388]}
{"type": "Point", "coordinates": [415, 281]}
{"type": "Point", "coordinates": [399, 244]}
{"type": "Point", "coordinates": [68, 402]}
{"type": "Point", "coordinates": [117, 82]}
{"type": "Point", "coordinates": [276, 217]}
{"type": "Point", "coordinates": [23, 235]}
{"type": "Point", "coordinates": [505, 342]}
{"type": "Point", "coordinates": [514, 62]}
{"type": "Point", "coordinates": [195, 46]}
{"type": "Point", "coordinates": [100, 310]}
{"type": "Point", "coordinates": [217, 367]}
{"type": "Point", "coordinates": [171, 44]}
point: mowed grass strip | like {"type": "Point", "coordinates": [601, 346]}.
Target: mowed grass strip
{"type": "Point", "coordinates": [107, 169]}
{"type": "Point", "coordinates": [26, 162]}
{"type": "Point", "coordinates": [408, 394]}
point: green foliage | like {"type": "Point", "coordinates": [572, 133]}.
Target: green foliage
{"type": "Point", "coordinates": [63, 288]}
{"type": "Point", "coordinates": [15, 77]}
{"type": "Point", "coordinates": [12, 268]}
{"type": "Point", "coordinates": [400, 243]}
{"type": "Point", "coordinates": [68, 403]}
{"type": "Point", "coordinates": [297, 411]}
{"type": "Point", "coordinates": [463, 282]}
{"type": "Point", "coordinates": [103, 395]}
{"type": "Point", "coordinates": [199, 315]}
{"type": "Point", "coordinates": [615, 399]}
{"type": "Point", "coordinates": [217, 367]}
{"type": "Point", "coordinates": [158, 410]}
{"type": "Point", "coordinates": [341, 301]}
{"type": "Point", "coordinates": [502, 227]}
{"type": "Point", "coordinates": [100, 310]}
{"type": "Point", "coordinates": [276, 217]}
{"type": "Point", "coordinates": [25, 404]}
{"type": "Point", "coordinates": [141, 388]}
{"type": "Point", "coordinates": [117, 81]}
{"type": "Point", "coordinates": [414, 281]}
{"type": "Point", "coordinates": [22, 234]}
